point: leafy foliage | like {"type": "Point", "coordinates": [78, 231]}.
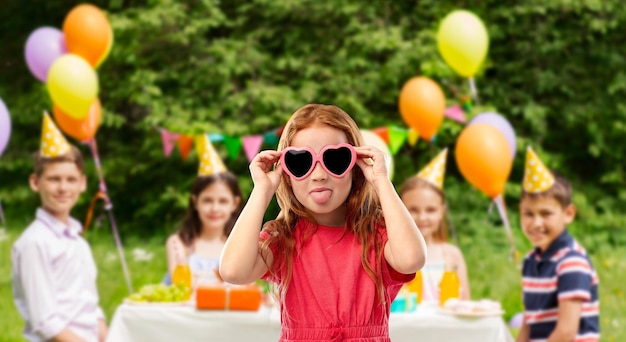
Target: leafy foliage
{"type": "Point", "coordinates": [242, 67]}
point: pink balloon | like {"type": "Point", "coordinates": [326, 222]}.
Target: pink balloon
{"type": "Point", "coordinates": [43, 47]}
{"type": "Point", "coordinates": [503, 125]}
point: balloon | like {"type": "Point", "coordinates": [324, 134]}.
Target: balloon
{"type": "Point", "coordinates": [498, 121]}
{"type": "Point", "coordinates": [43, 47]}
{"type": "Point", "coordinates": [80, 129]}
{"type": "Point", "coordinates": [5, 127]}
{"type": "Point", "coordinates": [422, 105]}
{"type": "Point", "coordinates": [372, 139]}
{"type": "Point", "coordinates": [88, 33]}
{"type": "Point", "coordinates": [484, 158]}
{"type": "Point", "coordinates": [72, 85]}
{"type": "Point", "coordinates": [517, 320]}
{"type": "Point", "coordinates": [463, 42]}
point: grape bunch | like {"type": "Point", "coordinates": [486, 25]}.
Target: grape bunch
{"type": "Point", "coordinates": [161, 293]}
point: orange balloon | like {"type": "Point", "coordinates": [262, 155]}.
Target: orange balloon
{"type": "Point", "coordinates": [484, 158]}
{"type": "Point", "coordinates": [88, 33]}
{"type": "Point", "coordinates": [422, 105]}
{"type": "Point", "coordinates": [80, 129]}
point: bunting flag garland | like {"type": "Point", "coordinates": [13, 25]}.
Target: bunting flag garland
{"type": "Point", "coordinates": [252, 145]}
{"type": "Point", "coordinates": [412, 137]}
{"type": "Point", "coordinates": [233, 146]}
{"type": "Point", "coordinates": [271, 138]}
{"type": "Point", "coordinates": [455, 113]}
{"type": "Point", "coordinates": [168, 139]}
{"type": "Point", "coordinates": [397, 137]}
{"type": "Point", "coordinates": [216, 137]}
{"type": "Point", "coordinates": [394, 136]}
{"type": "Point", "coordinates": [383, 133]}
{"type": "Point", "coordinates": [184, 143]}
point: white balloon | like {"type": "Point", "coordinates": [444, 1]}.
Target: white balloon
{"type": "Point", "coordinates": [372, 139]}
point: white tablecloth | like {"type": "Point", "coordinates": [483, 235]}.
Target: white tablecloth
{"type": "Point", "coordinates": [154, 323]}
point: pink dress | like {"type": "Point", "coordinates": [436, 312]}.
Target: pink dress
{"type": "Point", "coordinates": [331, 297]}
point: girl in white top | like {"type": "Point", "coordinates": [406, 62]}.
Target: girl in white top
{"type": "Point", "coordinates": [214, 205]}
{"type": "Point", "coordinates": [423, 196]}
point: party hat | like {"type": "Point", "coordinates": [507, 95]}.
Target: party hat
{"type": "Point", "coordinates": [435, 170]}
{"type": "Point", "coordinates": [53, 143]}
{"type": "Point", "coordinates": [210, 161]}
{"type": "Point", "coordinates": [537, 177]}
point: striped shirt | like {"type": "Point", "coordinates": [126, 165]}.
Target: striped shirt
{"type": "Point", "coordinates": [563, 272]}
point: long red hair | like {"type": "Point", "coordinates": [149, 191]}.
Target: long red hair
{"type": "Point", "coordinates": [363, 210]}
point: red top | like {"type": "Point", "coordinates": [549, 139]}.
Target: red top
{"type": "Point", "coordinates": [331, 297]}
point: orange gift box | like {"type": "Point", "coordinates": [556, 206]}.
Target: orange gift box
{"type": "Point", "coordinates": [228, 298]}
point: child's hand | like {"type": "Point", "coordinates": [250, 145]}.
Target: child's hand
{"type": "Point", "coordinates": [373, 163]}
{"type": "Point", "coordinates": [261, 170]}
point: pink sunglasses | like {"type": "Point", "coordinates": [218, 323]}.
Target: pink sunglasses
{"type": "Point", "coordinates": [299, 162]}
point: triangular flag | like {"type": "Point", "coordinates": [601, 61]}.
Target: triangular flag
{"type": "Point", "coordinates": [397, 137]}
{"type": "Point", "coordinates": [184, 143]}
{"type": "Point", "coordinates": [168, 139]}
{"type": "Point", "coordinates": [537, 177]}
{"type": "Point", "coordinates": [53, 143]}
{"type": "Point", "coordinates": [252, 145]}
{"type": "Point", "coordinates": [215, 137]}
{"type": "Point", "coordinates": [435, 170]}
{"type": "Point", "coordinates": [233, 146]}
{"type": "Point", "coordinates": [412, 136]}
{"type": "Point", "coordinates": [455, 113]}
{"type": "Point", "coordinates": [279, 131]}
{"type": "Point", "coordinates": [210, 161]}
{"type": "Point", "coordinates": [198, 143]}
{"type": "Point", "coordinates": [270, 138]}
{"type": "Point", "coordinates": [383, 133]}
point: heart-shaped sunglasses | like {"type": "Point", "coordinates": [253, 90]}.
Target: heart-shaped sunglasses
{"type": "Point", "coordinates": [299, 162]}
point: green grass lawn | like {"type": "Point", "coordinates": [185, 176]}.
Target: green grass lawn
{"type": "Point", "coordinates": [492, 275]}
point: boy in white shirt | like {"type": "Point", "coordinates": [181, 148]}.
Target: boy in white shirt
{"type": "Point", "coordinates": [54, 273]}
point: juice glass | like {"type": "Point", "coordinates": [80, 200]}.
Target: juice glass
{"type": "Point", "coordinates": [415, 286]}
{"type": "Point", "coordinates": [182, 273]}
{"type": "Point", "coordinates": [448, 287]}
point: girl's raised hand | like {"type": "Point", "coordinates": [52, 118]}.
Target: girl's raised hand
{"type": "Point", "coordinates": [261, 170]}
{"type": "Point", "coordinates": [373, 163]}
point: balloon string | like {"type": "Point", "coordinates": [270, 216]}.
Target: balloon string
{"type": "Point", "coordinates": [451, 226]}
{"type": "Point", "coordinates": [108, 206]}
{"type": "Point", "coordinates": [4, 222]}
{"type": "Point", "coordinates": [472, 86]}
{"type": "Point", "coordinates": [92, 205]}
{"type": "Point", "coordinates": [499, 201]}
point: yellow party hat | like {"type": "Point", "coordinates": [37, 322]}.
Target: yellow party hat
{"type": "Point", "coordinates": [435, 170]}
{"type": "Point", "coordinates": [53, 143]}
{"type": "Point", "coordinates": [210, 161]}
{"type": "Point", "coordinates": [537, 177]}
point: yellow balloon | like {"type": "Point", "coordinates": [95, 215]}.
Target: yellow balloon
{"type": "Point", "coordinates": [463, 42]}
{"type": "Point", "coordinates": [72, 85]}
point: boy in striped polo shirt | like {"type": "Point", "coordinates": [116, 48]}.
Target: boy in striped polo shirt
{"type": "Point", "coordinates": [560, 285]}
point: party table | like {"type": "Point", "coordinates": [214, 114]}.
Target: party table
{"type": "Point", "coordinates": [169, 322]}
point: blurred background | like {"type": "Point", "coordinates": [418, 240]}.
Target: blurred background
{"type": "Point", "coordinates": [554, 69]}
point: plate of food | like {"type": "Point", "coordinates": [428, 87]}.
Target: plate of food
{"type": "Point", "coordinates": [472, 309]}
{"type": "Point", "coordinates": [160, 294]}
